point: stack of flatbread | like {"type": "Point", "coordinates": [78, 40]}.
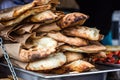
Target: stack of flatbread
{"type": "Point", "coordinates": [39, 38]}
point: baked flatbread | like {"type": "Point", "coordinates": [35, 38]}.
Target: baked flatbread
{"type": "Point", "coordinates": [51, 62]}
{"type": "Point", "coordinates": [28, 13]}
{"type": "Point", "coordinates": [84, 32]}
{"type": "Point", "coordinates": [14, 12]}
{"type": "Point", "coordinates": [76, 66]}
{"type": "Point", "coordinates": [72, 56]}
{"type": "Point", "coordinates": [43, 47]}
{"type": "Point", "coordinates": [69, 40]}
{"type": "Point", "coordinates": [72, 19]}
{"type": "Point", "coordinates": [79, 66]}
{"type": "Point", "coordinates": [85, 49]}
{"type": "Point", "coordinates": [46, 17]}
{"type": "Point", "coordinates": [11, 13]}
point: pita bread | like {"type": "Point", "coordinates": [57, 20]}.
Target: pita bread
{"type": "Point", "coordinates": [43, 47]}
{"type": "Point", "coordinates": [28, 13]}
{"type": "Point", "coordinates": [51, 62]}
{"type": "Point", "coordinates": [46, 17]}
{"type": "Point", "coordinates": [43, 16]}
{"type": "Point", "coordinates": [85, 49]}
{"type": "Point", "coordinates": [79, 66]}
{"type": "Point", "coordinates": [76, 66]}
{"type": "Point", "coordinates": [72, 19]}
{"type": "Point", "coordinates": [12, 13]}
{"type": "Point", "coordinates": [45, 64]}
{"type": "Point", "coordinates": [83, 32]}
{"type": "Point", "coordinates": [69, 40]}
{"type": "Point", "coordinates": [72, 56]}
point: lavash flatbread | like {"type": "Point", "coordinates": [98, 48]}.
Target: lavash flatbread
{"type": "Point", "coordinates": [79, 66]}
{"type": "Point", "coordinates": [11, 13]}
{"type": "Point", "coordinates": [84, 49]}
{"type": "Point", "coordinates": [49, 63]}
{"type": "Point", "coordinates": [72, 19]}
{"type": "Point", "coordinates": [28, 13]}
{"type": "Point", "coordinates": [72, 56]}
{"type": "Point", "coordinates": [47, 16]}
{"type": "Point", "coordinates": [69, 40]}
{"type": "Point", "coordinates": [84, 32]}
{"type": "Point", "coordinates": [43, 47]}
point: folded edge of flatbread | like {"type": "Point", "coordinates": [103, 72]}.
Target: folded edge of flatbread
{"type": "Point", "coordinates": [84, 32]}
{"type": "Point", "coordinates": [28, 13]}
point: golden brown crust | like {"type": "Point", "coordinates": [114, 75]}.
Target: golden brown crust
{"type": "Point", "coordinates": [51, 62]}
{"type": "Point", "coordinates": [83, 32]}
{"type": "Point", "coordinates": [45, 47]}
{"type": "Point", "coordinates": [11, 13]}
{"type": "Point", "coordinates": [85, 49]}
{"type": "Point", "coordinates": [75, 66]}
{"type": "Point", "coordinates": [79, 66]}
{"type": "Point", "coordinates": [69, 40]}
{"type": "Point", "coordinates": [72, 19]}
{"type": "Point", "coordinates": [73, 56]}
{"type": "Point", "coordinates": [28, 13]}
{"type": "Point", "coordinates": [28, 55]}
{"type": "Point", "coordinates": [24, 8]}
{"type": "Point", "coordinates": [47, 16]}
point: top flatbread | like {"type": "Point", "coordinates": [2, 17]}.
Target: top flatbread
{"type": "Point", "coordinates": [11, 13]}
{"type": "Point", "coordinates": [72, 19]}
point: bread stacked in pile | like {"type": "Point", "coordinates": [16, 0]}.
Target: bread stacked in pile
{"type": "Point", "coordinates": [39, 38]}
